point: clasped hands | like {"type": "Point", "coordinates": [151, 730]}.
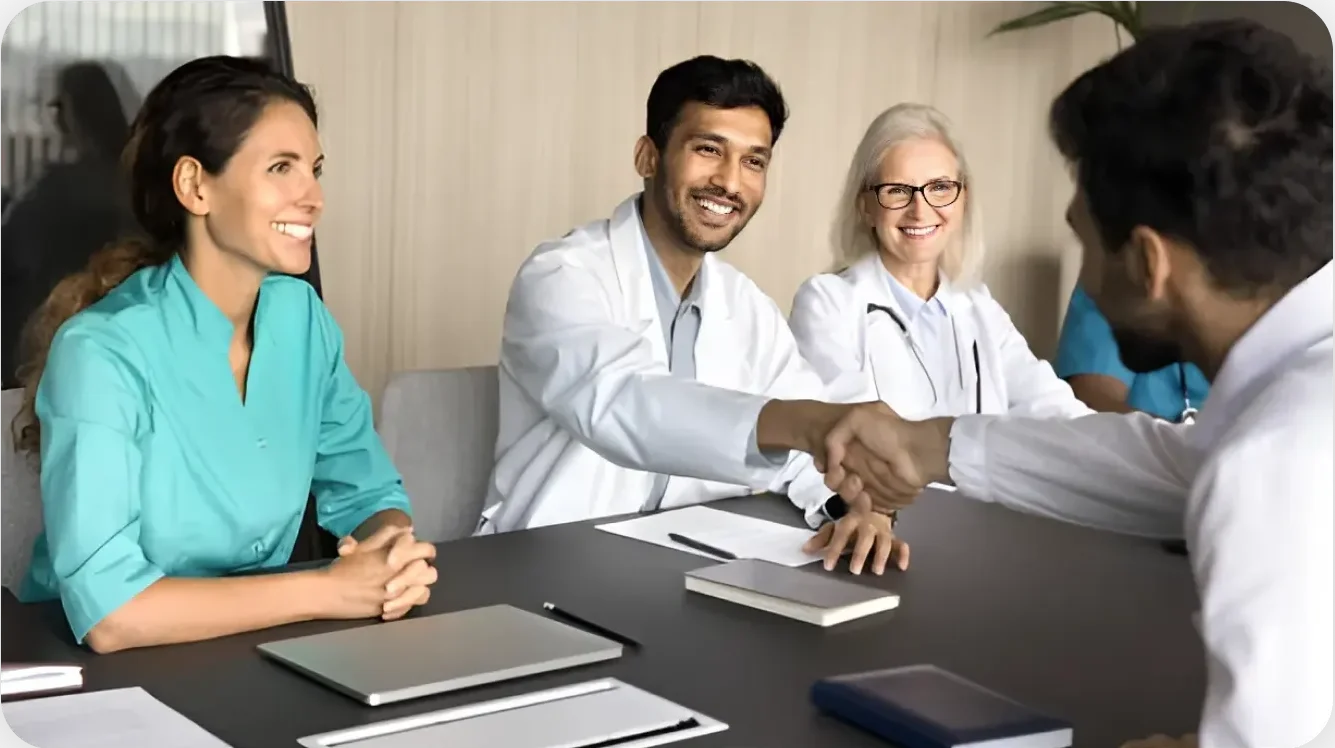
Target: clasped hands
{"type": "Point", "coordinates": [879, 461]}
{"type": "Point", "coordinates": [385, 575]}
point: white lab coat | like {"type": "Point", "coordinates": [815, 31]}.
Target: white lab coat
{"type": "Point", "coordinates": [588, 410]}
{"type": "Point", "coordinates": [864, 355]}
{"type": "Point", "coordinates": [1250, 487]}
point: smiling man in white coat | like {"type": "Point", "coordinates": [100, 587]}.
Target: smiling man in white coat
{"type": "Point", "coordinates": [1202, 160]}
{"type": "Point", "coordinates": [638, 370]}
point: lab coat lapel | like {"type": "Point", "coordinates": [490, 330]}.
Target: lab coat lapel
{"type": "Point", "coordinates": [895, 370]}
{"type": "Point", "coordinates": [965, 331]}
{"type": "Point", "coordinates": [632, 269]}
{"type": "Point", "coordinates": [720, 351]}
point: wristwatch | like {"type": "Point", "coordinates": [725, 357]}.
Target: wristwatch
{"type": "Point", "coordinates": [835, 508]}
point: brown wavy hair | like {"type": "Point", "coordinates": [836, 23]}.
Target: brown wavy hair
{"type": "Point", "coordinates": [202, 110]}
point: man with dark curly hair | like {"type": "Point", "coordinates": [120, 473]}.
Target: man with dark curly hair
{"type": "Point", "coordinates": [1202, 162]}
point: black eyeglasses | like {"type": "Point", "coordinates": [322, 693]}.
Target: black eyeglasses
{"type": "Point", "coordinates": [938, 194]}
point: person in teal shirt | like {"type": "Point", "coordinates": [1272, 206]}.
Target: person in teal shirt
{"type": "Point", "coordinates": [183, 418]}
{"type": "Point", "coordinates": [1087, 359]}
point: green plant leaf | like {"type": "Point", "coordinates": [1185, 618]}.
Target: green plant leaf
{"type": "Point", "coordinates": [1130, 17]}
{"type": "Point", "coordinates": [1044, 16]}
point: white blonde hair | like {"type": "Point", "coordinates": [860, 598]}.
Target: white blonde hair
{"type": "Point", "coordinates": [853, 239]}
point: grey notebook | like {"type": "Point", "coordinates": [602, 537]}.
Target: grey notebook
{"type": "Point", "coordinates": [816, 597]}
{"type": "Point", "coordinates": [387, 662]}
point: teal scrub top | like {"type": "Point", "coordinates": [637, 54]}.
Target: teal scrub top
{"type": "Point", "coordinates": [1087, 346]}
{"type": "Point", "coordinates": [151, 464]}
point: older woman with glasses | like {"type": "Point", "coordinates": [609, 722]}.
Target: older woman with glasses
{"type": "Point", "coordinates": [904, 319]}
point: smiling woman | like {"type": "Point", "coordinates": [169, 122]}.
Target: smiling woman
{"type": "Point", "coordinates": [904, 319]}
{"type": "Point", "coordinates": [185, 395]}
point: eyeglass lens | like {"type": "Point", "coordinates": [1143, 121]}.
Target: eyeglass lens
{"type": "Point", "coordinates": [938, 194]}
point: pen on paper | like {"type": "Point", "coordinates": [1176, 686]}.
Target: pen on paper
{"type": "Point", "coordinates": [703, 548]}
{"type": "Point", "coordinates": [590, 625]}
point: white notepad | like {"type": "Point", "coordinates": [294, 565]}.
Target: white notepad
{"type": "Point", "coordinates": [819, 598]}
{"type": "Point", "coordinates": [745, 537]}
{"type": "Point", "coordinates": [120, 718]}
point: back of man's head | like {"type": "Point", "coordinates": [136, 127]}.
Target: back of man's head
{"type": "Point", "coordinates": [715, 82]}
{"type": "Point", "coordinates": [1217, 135]}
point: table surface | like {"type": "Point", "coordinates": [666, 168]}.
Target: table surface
{"type": "Point", "coordinates": [1089, 626]}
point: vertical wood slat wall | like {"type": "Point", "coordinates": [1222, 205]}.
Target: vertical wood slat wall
{"type": "Point", "coordinates": [461, 134]}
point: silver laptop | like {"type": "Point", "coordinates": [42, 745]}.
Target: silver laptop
{"type": "Point", "coordinates": [415, 657]}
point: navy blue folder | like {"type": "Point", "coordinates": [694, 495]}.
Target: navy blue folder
{"type": "Point", "coordinates": [923, 706]}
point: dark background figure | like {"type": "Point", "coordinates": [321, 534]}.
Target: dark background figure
{"type": "Point", "coordinates": [75, 207]}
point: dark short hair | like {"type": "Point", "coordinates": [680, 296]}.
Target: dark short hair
{"type": "Point", "coordinates": [715, 82]}
{"type": "Point", "coordinates": [1217, 134]}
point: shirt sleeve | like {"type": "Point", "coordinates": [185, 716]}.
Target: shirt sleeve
{"type": "Point", "coordinates": [354, 477]}
{"type": "Point", "coordinates": [597, 379]}
{"type": "Point", "coordinates": [1124, 473]}
{"type": "Point", "coordinates": [1086, 345]}
{"type": "Point", "coordinates": [92, 413]}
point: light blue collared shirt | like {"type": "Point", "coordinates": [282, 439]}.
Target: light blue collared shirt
{"type": "Point", "coordinates": [153, 466]}
{"type": "Point", "coordinates": [681, 328]}
{"type": "Point", "coordinates": [930, 328]}
{"type": "Point", "coordinates": [681, 319]}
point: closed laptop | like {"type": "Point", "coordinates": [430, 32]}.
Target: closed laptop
{"type": "Point", "coordinates": [415, 657]}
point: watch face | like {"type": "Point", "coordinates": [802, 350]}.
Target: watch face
{"type": "Point", "coordinates": [836, 507]}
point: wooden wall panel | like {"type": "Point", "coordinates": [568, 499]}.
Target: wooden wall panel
{"type": "Point", "coordinates": [461, 134]}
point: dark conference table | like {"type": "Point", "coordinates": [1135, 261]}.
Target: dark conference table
{"type": "Point", "coordinates": [1089, 626]}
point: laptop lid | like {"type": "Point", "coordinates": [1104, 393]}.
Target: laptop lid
{"type": "Point", "coordinates": [414, 657]}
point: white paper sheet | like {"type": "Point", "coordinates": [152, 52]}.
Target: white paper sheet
{"type": "Point", "coordinates": [745, 537]}
{"type": "Point", "coordinates": [120, 718]}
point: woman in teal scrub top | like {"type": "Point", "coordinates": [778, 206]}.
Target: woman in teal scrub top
{"type": "Point", "coordinates": [1088, 360]}
{"type": "Point", "coordinates": [185, 395]}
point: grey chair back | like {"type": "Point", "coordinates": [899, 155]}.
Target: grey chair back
{"type": "Point", "coordinates": [20, 499]}
{"type": "Point", "coordinates": [439, 427]}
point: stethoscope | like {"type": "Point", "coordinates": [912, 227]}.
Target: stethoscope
{"type": "Point", "coordinates": [1188, 414]}
{"type": "Point", "coordinates": [913, 346]}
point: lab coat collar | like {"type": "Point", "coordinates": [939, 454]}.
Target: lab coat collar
{"type": "Point", "coordinates": [1299, 320]}
{"type": "Point", "coordinates": [632, 264]}
{"type": "Point", "coordinates": [870, 276]}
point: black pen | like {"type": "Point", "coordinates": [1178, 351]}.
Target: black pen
{"type": "Point", "coordinates": [590, 625]}
{"type": "Point", "coordinates": [697, 545]}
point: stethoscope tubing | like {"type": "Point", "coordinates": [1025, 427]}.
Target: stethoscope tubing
{"type": "Point", "coordinates": [913, 346]}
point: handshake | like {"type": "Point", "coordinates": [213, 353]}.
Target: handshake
{"type": "Point", "coordinates": [870, 456]}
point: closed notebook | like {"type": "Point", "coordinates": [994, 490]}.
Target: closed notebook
{"type": "Point", "coordinates": [814, 597]}
{"type": "Point", "coordinates": [923, 706]}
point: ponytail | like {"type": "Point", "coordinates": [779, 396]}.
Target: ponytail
{"type": "Point", "coordinates": [107, 268]}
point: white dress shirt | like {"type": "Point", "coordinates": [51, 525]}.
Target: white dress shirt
{"type": "Point", "coordinates": [1249, 486]}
